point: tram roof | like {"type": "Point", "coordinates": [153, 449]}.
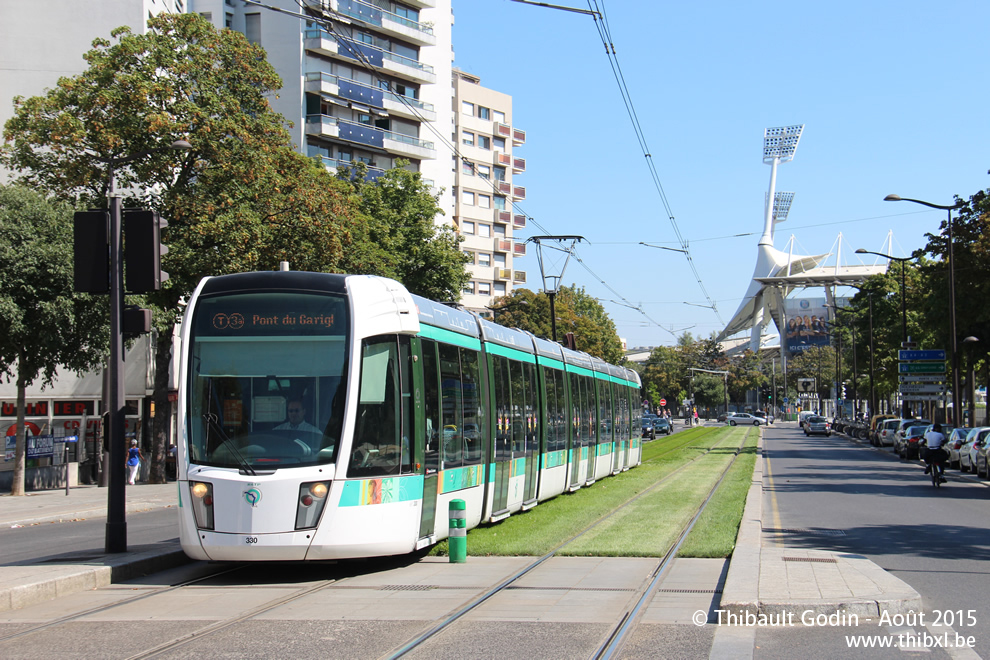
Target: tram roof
{"type": "Point", "coordinates": [274, 279]}
{"type": "Point", "coordinates": [444, 316]}
{"type": "Point", "coordinates": [510, 337]}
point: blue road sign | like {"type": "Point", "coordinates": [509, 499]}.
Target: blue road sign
{"type": "Point", "coordinates": [930, 354]}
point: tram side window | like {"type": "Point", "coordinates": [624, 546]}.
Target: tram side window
{"type": "Point", "coordinates": [460, 408]}
{"type": "Point", "coordinates": [431, 407]}
{"type": "Point", "coordinates": [472, 406]}
{"type": "Point", "coordinates": [379, 448]}
{"type": "Point", "coordinates": [529, 406]}
{"type": "Point", "coordinates": [576, 410]}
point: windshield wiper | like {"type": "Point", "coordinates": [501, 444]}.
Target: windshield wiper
{"type": "Point", "coordinates": [212, 422]}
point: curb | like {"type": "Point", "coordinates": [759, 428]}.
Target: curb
{"type": "Point", "coordinates": [21, 585]}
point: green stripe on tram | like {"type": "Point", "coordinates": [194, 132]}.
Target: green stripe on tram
{"type": "Point", "coordinates": [511, 353]}
{"type": "Point", "coordinates": [449, 337]}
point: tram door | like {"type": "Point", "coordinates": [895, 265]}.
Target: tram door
{"type": "Point", "coordinates": [427, 390]}
{"type": "Point", "coordinates": [501, 388]}
{"type": "Point", "coordinates": [576, 439]}
{"type": "Point", "coordinates": [530, 402]}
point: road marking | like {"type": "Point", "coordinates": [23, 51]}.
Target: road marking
{"type": "Point", "coordinates": [775, 512]}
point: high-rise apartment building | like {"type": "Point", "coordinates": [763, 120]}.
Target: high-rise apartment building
{"type": "Point", "coordinates": [362, 80]}
{"type": "Point", "coordinates": [485, 190]}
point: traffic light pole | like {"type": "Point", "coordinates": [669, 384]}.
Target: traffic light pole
{"type": "Point", "coordinates": [116, 531]}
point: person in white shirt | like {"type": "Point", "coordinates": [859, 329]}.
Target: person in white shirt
{"type": "Point", "coordinates": [934, 453]}
{"type": "Point", "coordinates": [296, 418]}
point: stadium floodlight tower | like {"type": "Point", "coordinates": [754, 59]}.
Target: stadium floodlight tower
{"type": "Point", "coordinates": [779, 145]}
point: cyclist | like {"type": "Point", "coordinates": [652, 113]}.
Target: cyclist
{"type": "Point", "coordinates": [934, 455]}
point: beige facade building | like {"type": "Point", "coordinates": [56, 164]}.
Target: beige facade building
{"type": "Point", "coordinates": [485, 190]}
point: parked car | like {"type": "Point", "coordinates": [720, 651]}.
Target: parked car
{"type": "Point", "coordinates": [981, 465]}
{"type": "Point", "coordinates": [876, 425]}
{"type": "Point", "coordinates": [762, 414]}
{"type": "Point", "coordinates": [662, 425]}
{"type": "Point", "coordinates": [887, 431]}
{"type": "Point", "coordinates": [817, 425]}
{"type": "Point", "coordinates": [953, 441]}
{"type": "Point", "coordinates": [907, 442]}
{"type": "Point", "coordinates": [648, 430]}
{"type": "Point", "coordinates": [746, 419]}
{"type": "Point", "coordinates": [975, 439]}
{"type": "Point", "coordinates": [902, 429]}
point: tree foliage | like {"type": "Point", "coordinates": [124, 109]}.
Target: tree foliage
{"type": "Point", "coordinates": [45, 324]}
{"type": "Point", "coordinates": [576, 312]}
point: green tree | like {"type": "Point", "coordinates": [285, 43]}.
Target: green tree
{"type": "Point", "coordinates": [401, 238]}
{"type": "Point", "coordinates": [576, 311]}
{"type": "Point", "coordinates": [241, 199]}
{"type": "Point", "coordinates": [45, 324]}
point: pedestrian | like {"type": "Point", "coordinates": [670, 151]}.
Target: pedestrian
{"type": "Point", "coordinates": [134, 458]}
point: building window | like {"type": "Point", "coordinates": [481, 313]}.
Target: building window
{"type": "Point", "coordinates": [252, 28]}
{"type": "Point", "coordinates": [228, 21]}
{"type": "Point", "coordinates": [345, 155]}
{"type": "Point", "coordinates": [500, 288]}
{"type": "Point", "coordinates": [484, 289]}
{"type": "Point", "coordinates": [467, 108]}
{"type": "Point", "coordinates": [499, 260]}
{"type": "Point", "coordinates": [484, 142]}
{"type": "Point", "coordinates": [467, 198]}
{"type": "Point", "coordinates": [467, 168]}
{"type": "Point", "coordinates": [468, 289]}
{"type": "Point", "coordinates": [470, 255]}
{"type": "Point", "coordinates": [485, 231]}
{"type": "Point", "coordinates": [500, 230]}
{"type": "Point", "coordinates": [499, 116]}
{"type": "Point", "coordinates": [500, 203]}
{"type": "Point", "coordinates": [467, 138]}
{"type": "Point", "coordinates": [500, 144]}
{"type": "Point", "coordinates": [484, 201]}
{"type": "Point", "coordinates": [484, 259]}
{"type": "Point", "coordinates": [499, 173]}
{"type": "Point", "coordinates": [484, 113]}
{"type": "Point", "coordinates": [483, 171]}
{"type": "Point", "coordinates": [467, 227]}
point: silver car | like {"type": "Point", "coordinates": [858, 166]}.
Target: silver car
{"type": "Point", "coordinates": [817, 425]}
{"type": "Point", "coordinates": [974, 441]}
{"type": "Point", "coordinates": [745, 419]}
{"type": "Point", "coordinates": [953, 443]}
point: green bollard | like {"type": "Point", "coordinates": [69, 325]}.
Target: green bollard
{"type": "Point", "coordinates": [457, 539]}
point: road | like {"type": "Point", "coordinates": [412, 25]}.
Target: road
{"type": "Point", "coordinates": [843, 495]}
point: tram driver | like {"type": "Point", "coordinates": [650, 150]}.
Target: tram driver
{"type": "Point", "coordinates": [296, 421]}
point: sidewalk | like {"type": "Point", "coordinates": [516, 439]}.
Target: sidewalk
{"type": "Point", "coordinates": [770, 580]}
{"type": "Point", "coordinates": [27, 584]}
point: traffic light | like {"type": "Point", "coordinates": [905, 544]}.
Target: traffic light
{"type": "Point", "coordinates": [143, 251]}
{"type": "Point", "coordinates": [135, 321]}
{"type": "Point", "coordinates": [91, 251]}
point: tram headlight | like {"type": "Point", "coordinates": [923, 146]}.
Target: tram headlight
{"type": "Point", "coordinates": [312, 499]}
{"type": "Point", "coordinates": [202, 503]}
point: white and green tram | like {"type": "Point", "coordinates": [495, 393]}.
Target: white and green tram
{"type": "Point", "coordinates": [334, 416]}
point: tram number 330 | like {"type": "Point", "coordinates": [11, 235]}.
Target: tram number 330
{"type": "Point", "coordinates": [250, 539]}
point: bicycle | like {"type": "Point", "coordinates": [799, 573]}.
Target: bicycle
{"type": "Point", "coordinates": [937, 467]}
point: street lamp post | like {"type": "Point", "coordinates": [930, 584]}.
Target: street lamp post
{"type": "Point", "coordinates": [970, 382]}
{"type": "Point", "coordinates": [116, 529]}
{"type": "Point", "coordinates": [905, 409]}
{"type": "Point", "coordinates": [953, 342]}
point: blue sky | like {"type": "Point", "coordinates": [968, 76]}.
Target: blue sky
{"type": "Point", "coordinates": [893, 96]}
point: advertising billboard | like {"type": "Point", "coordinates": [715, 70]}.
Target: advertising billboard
{"type": "Point", "coordinates": [806, 323]}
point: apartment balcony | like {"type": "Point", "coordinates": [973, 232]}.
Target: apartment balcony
{"type": "Point", "coordinates": [503, 159]}
{"type": "Point", "coordinates": [408, 68]}
{"type": "Point", "coordinates": [503, 216]}
{"type": "Point", "coordinates": [519, 249]}
{"type": "Point", "coordinates": [503, 274]}
{"type": "Point", "coordinates": [387, 22]}
{"type": "Point", "coordinates": [405, 106]}
{"type": "Point", "coordinates": [422, 4]}
{"type": "Point", "coordinates": [320, 41]}
{"type": "Point", "coordinates": [321, 83]}
{"type": "Point", "coordinates": [518, 165]}
{"type": "Point", "coordinates": [323, 126]}
{"type": "Point", "coordinates": [519, 192]}
{"type": "Point", "coordinates": [519, 221]}
{"type": "Point", "coordinates": [503, 130]}
{"type": "Point", "coordinates": [519, 276]}
{"type": "Point", "coordinates": [408, 146]}
{"type": "Point", "coordinates": [502, 245]}
{"type": "Point", "coordinates": [504, 187]}
{"type": "Point", "coordinates": [334, 164]}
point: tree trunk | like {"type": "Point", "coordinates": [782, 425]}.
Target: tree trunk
{"type": "Point", "coordinates": [161, 424]}
{"type": "Point", "coordinates": [17, 487]}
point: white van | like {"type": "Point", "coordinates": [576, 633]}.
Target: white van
{"type": "Point", "coordinates": [803, 415]}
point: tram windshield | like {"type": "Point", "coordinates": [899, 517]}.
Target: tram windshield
{"type": "Point", "coordinates": [267, 380]}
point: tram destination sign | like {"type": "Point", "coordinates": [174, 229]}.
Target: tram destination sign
{"type": "Point", "coordinates": [921, 368]}
{"type": "Point", "coordinates": [930, 354]}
